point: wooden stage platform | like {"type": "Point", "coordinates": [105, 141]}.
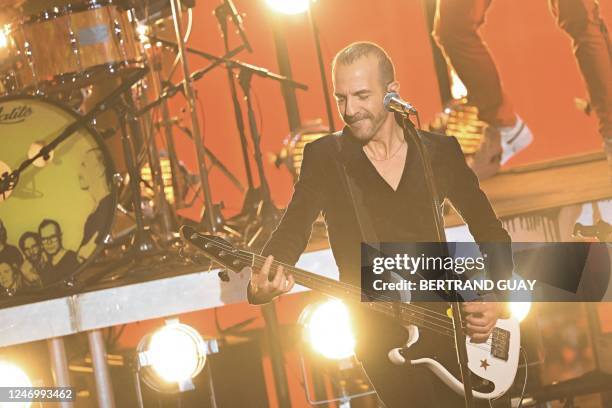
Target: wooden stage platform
{"type": "Point", "coordinates": [546, 185]}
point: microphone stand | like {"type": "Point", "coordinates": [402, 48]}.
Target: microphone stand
{"type": "Point", "coordinates": [459, 335]}
{"type": "Point", "coordinates": [252, 196]}
{"type": "Point", "coordinates": [268, 211]}
{"type": "Point", "coordinates": [211, 220]}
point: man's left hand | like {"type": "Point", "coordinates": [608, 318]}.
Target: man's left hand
{"type": "Point", "coordinates": [481, 318]}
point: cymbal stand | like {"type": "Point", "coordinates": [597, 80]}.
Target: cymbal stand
{"type": "Point", "coordinates": [166, 125]}
{"type": "Point", "coordinates": [211, 221]}
{"type": "Point", "coordinates": [142, 240]}
{"type": "Point", "coordinates": [162, 207]}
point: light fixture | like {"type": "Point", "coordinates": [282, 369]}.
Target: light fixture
{"type": "Point", "coordinates": [327, 328]}
{"type": "Point", "coordinates": [289, 6]}
{"type": "Point", "coordinates": [12, 376]}
{"type": "Point", "coordinates": [172, 356]}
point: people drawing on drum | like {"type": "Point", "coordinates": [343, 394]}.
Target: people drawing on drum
{"type": "Point", "coordinates": [92, 178]}
{"type": "Point", "coordinates": [8, 253]}
{"type": "Point", "coordinates": [36, 260]}
{"type": "Point", "coordinates": [10, 278]}
{"type": "Point", "coordinates": [61, 261]}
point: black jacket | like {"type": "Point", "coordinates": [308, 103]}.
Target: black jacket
{"type": "Point", "coordinates": [320, 189]}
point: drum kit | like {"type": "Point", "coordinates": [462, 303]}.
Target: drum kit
{"type": "Point", "coordinates": [81, 94]}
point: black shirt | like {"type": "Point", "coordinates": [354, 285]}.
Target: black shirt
{"type": "Point", "coordinates": [64, 268]}
{"type": "Point", "coordinates": [403, 215]}
{"type": "Point", "coordinates": [397, 215]}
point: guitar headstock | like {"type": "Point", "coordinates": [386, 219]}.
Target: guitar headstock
{"type": "Point", "coordinates": [216, 248]}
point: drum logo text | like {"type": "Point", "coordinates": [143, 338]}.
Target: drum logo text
{"type": "Point", "coordinates": [15, 115]}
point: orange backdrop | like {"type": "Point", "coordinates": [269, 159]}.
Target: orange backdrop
{"type": "Point", "coordinates": [534, 58]}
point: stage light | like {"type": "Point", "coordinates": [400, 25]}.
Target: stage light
{"type": "Point", "coordinates": [520, 310]}
{"type": "Point", "coordinates": [328, 330]}
{"type": "Point", "coordinates": [289, 6]}
{"type": "Point", "coordinates": [13, 376]}
{"type": "Point", "coordinates": [171, 357]}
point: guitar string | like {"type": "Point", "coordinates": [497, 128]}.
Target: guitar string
{"type": "Point", "coordinates": [249, 257]}
{"type": "Point", "coordinates": [258, 261]}
{"type": "Point", "coordinates": [354, 291]}
{"type": "Point", "coordinates": [252, 258]}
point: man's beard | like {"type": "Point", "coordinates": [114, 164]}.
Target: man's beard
{"type": "Point", "coordinates": [367, 125]}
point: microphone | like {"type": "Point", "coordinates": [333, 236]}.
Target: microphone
{"type": "Point", "coordinates": [394, 103]}
{"type": "Point", "coordinates": [237, 19]}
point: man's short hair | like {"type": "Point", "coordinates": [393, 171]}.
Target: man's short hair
{"type": "Point", "coordinates": [46, 222]}
{"type": "Point", "coordinates": [356, 50]}
{"type": "Point", "coordinates": [25, 236]}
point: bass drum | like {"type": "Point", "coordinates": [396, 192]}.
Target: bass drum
{"type": "Point", "coordinates": [58, 215]}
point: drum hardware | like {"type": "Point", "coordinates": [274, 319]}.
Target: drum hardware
{"type": "Point", "coordinates": [214, 160]}
{"type": "Point", "coordinates": [8, 181]}
{"type": "Point", "coordinates": [58, 155]}
{"type": "Point", "coordinates": [211, 224]}
{"type": "Point", "coordinates": [257, 203]}
{"type": "Point", "coordinates": [170, 91]}
{"type": "Point", "coordinates": [150, 11]}
{"type": "Point", "coordinates": [142, 240]}
{"type": "Point", "coordinates": [91, 41]}
{"type": "Point", "coordinates": [162, 206]}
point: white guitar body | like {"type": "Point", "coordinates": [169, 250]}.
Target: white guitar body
{"type": "Point", "coordinates": [498, 371]}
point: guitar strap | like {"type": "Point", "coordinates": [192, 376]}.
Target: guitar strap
{"type": "Point", "coordinates": [355, 194]}
{"type": "Point", "coordinates": [364, 220]}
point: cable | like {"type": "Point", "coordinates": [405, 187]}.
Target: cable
{"type": "Point", "coordinates": [520, 404]}
{"type": "Point", "coordinates": [259, 112]}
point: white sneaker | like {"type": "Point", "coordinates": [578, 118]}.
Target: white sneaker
{"type": "Point", "coordinates": [514, 139]}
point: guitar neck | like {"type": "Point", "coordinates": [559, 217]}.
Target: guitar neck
{"type": "Point", "coordinates": [407, 313]}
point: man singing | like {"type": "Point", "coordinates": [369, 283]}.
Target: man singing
{"type": "Point", "coordinates": [383, 164]}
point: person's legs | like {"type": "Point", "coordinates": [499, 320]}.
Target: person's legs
{"type": "Point", "coordinates": [582, 21]}
{"type": "Point", "coordinates": [456, 31]}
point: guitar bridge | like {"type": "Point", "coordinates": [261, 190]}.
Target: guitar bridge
{"type": "Point", "coordinates": [500, 343]}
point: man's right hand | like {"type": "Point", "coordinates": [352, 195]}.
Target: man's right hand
{"type": "Point", "coordinates": [264, 286]}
